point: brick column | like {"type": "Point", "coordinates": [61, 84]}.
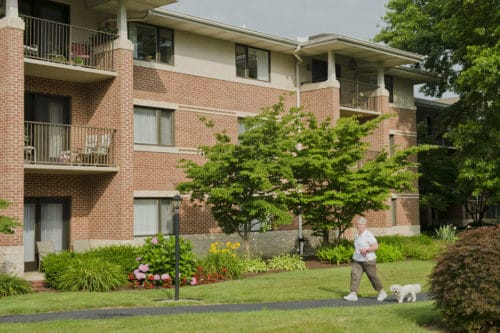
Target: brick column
{"type": "Point", "coordinates": [111, 218]}
{"type": "Point", "coordinates": [12, 143]}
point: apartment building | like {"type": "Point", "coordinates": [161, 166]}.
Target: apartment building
{"type": "Point", "coordinates": [100, 100]}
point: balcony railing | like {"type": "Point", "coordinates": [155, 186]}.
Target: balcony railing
{"type": "Point", "coordinates": [46, 143]}
{"type": "Point", "coordinates": [66, 44]}
{"type": "Point", "coordinates": [357, 95]}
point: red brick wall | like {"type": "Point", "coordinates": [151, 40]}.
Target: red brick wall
{"type": "Point", "coordinates": [205, 92]}
{"type": "Point", "coordinates": [323, 103]}
{"type": "Point", "coordinates": [12, 128]}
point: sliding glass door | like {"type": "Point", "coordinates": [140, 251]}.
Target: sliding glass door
{"type": "Point", "coordinates": [45, 219]}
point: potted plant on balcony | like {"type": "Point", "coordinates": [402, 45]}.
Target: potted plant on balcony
{"type": "Point", "coordinates": [78, 61]}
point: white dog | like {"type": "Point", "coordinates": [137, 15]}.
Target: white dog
{"type": "Point", "coordinates": [410, 290]}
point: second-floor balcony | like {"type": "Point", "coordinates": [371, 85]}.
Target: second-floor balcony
{"type": "Point", "coordinates": [83, 54]}
{"type": "Point", "coordinates": [59, 146]}
{"type": "Point", "coordinates": [357, 95]}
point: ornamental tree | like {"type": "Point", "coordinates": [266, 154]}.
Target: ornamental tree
{"type": "Point", "coordinates": [339, 177]}
{"type": "Point", "coordinates": [285, 161]}
{"type": "Point", "coordinates": [245, 182]}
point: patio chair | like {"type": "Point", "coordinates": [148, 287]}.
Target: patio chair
{"type": "Point", "coordinates": [43, 248]}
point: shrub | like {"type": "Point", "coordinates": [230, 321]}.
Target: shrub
{"type": "Point", "coordinates": [223, 260]}
{"type": "Point", "coordinates": [123, 255]}
{"type": "Point", "coordinates": [91, 274]}
{"type": "Point", "coordinates": [419, 247]}
{"type": "Point", "coordinates": [287, 262]}
{"type": "Point", "coordinates": [388, 253]}
{"type": "Point", "coordinates": [465, 282]}
{"type": "Point", "coordinates": [335, 254]}
{"type": "Point", "coordinates": [254, 265]}
{"type": "Point", "coordinates": [53, 264]}
{"type": "Point", "coordinates": [157, 258]}
{"type": "Point", "coordinates": [447, 233]}
{"type": "Point", "coordinates": [12, 285]}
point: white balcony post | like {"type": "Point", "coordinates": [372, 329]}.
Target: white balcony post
{"type": "Point", "coordinates": [381, 91]}
{"type": "Point", "coordinates": [122, 20]}
{"type": "Point", "coordinates": [331, 66]}
{"type": "Point", "coordinates": [11, 8]}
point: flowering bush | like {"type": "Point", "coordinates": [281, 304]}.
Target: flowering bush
{"type": "Point", "coordinates": [222, 262]}
{"type": "Point", "coordinates": [157, 264]}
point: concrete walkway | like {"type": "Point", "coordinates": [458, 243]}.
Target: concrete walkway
{"type": "Point", "coordinates": [178, 309]}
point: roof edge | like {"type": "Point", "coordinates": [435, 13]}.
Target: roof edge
{"type": "Point", "coordinates": [223, 26]}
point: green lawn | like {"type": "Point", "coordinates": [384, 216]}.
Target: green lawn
{"type": "Point", "coordinates": [272, 287]}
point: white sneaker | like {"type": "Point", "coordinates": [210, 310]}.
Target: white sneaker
{"type": "Point", "coordinates": [381, 296]}
{"type": "Point", "coordinates": [351, 297]}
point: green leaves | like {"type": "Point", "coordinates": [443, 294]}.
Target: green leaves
{"type": "Point", "coordinates": [7, 224]}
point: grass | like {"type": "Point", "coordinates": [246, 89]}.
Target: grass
{"type": "Point", "coordinates": [272, 287]}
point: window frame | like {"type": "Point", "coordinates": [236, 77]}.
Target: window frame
{"type": "Point", "coordinates": [158, 29]}
{"type": "Point", "coordinates": [169, 222]}
{"type": "Point", "coordinates": [158, 124]}
{"type": "Point", "coordinates": [246, 69]}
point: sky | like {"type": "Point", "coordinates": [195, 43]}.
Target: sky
{"type": "Point", "coordinates": [360, 19]}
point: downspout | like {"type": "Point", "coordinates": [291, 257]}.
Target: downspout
{"type": "Point", "coordinates": [297, 73]}
{"type": "Point", "coordinates": [297, 83]}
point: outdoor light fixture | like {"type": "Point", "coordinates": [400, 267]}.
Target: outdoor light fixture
{"type": "Point", "coordinates": [177, 199]}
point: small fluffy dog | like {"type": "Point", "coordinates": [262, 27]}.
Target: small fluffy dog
{"type": "Point", "coordinates": [408, 291]}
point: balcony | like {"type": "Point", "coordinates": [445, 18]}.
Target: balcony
{"type": "Point", "coordinates": [355, 96]}
{"type": "Point", "coordinates": [58, 148]}
{"type": "Point", "coordinates": [63, 52]}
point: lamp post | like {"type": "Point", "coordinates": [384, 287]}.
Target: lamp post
{"type": "Point", "coordinates": [177, 199]}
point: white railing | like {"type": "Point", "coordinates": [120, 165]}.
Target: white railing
{"type": "Point", "coordinates": [46, 143]}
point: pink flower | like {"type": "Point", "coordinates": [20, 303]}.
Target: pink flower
{"type": "Point", "coordinates": [144, 268]}
{"type": "Point", "coordinates": [193, 281]}
{"type": "Point", "coordinates": [165, 277]}
{"type": "Point", "coordinates": [139, 275]}
{"type": "Point", "coordinates": [154, 241]}
{"type": "Point", "coordinates": [156, 277]}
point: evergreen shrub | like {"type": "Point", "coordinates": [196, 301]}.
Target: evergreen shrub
{"type": "Point", "coordinates": [53, 264]}
{"type": "Point", "coordinates": [335, 253]}
{"type": "Point", "coordinates": [91, 274]}
{"type": "Point", "coordinates": [287, 262]}
{"type": "Point", "coordinates": [123, 255]}
{"type": "Point", "coordinates": [389, 253]}
{"type": "Point", "coordinates": [12, 285]}
{"type": "Point", "coordinates": [465, 282]}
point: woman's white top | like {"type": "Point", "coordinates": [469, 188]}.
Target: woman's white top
{"type": "Point", "coordinates": [363, 241]}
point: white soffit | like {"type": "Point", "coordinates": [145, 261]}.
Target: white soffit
{"type": "Point", "coordinates": [216, 30]}
{"type": "Point", "coordinates": [133, 6]}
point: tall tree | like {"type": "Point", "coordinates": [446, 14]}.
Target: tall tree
{"type": "Point", "coordinates": [461, 41]}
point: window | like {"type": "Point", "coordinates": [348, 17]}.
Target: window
{"type": "Point", "coordinates": [252, 63]}
{"type": "Point", "coordinates": [153, 126]}
{"type": "Point", "coordinates": [153, 216]}
{"type": "Point", "coordinates": [152, 43]}
{"type": "Point", "coordinates": [389, 85]}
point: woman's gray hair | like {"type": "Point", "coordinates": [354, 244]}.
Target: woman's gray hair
{"type": "Point", "coordinates": [362, 220]}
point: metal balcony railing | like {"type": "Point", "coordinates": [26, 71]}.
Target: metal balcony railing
{"type": "Point", "coordinates": [357, 95]}
{"type": "Point", "coordinates": [46, 143]}
{"type": "Point", "coordinates": [66, 44]}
